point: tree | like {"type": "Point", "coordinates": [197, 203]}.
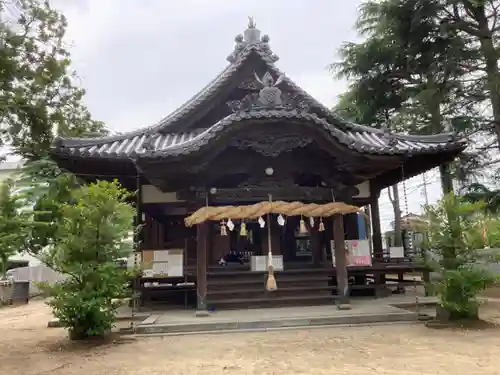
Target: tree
{"type": "Point", "coordinates": [408, 72]}
{"type": "Point", "coordinates": [15, 222]}
{"type": "Point", "coordinates": [45, 188]}
{"type": "Point", "coordinates": [476, 193]}
{"type": "Point", "coordinates": [11, 233]}
{"type": "Point", "coordinates": [90, 240]}
{"type": "Point", "coordinates": [476, 21]}
{"type": "Point", "coordinates": [38, 92]}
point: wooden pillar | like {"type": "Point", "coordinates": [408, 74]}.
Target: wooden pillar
{"type": "Point", "coordinates": [138, 222]}
{"type": "Point", "coordinates": [201, 267]}
{"type": "Point", "coordinates": [138, 244]}
{"type": "Point", "coordinates": [341, 263]}
{"type": "Point", "coordinates": [378, 251]}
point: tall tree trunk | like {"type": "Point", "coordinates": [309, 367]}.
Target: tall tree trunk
{"type": "Point", "coordinates": [434, 106]}
{"type": "Point", "coordinates": [446, 179]}
{"type": "Point", "coordinates": [393, 193]}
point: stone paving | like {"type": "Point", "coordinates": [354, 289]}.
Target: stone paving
{"type": "Point", "coordinates": [363, 311]}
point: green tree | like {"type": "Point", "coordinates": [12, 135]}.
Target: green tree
{"type": "Point", "coordinates": [476, 21]}
{"type": "Point", "coordinates": [90, 240]}
{"type": "Point", "coordinates": [15, 222]}
{"type": "Point", "coordinates": [45, 188]}
{"type": "Point", "coordinates": [11, 226]}
{"type": "Point", "coordinates": [38, 92]}
{"type": "Point", "coordinates": [409, 73]}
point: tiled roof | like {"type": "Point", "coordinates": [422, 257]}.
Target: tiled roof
{"type": "Point", "coordinates": [158, 141]}
{"type": "Point", "coordinates": [161, 145]}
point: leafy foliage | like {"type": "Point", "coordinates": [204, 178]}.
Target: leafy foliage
{"type": "Point", "coordinates": [457, 231]}
{"type": "Point", "coordinates": [413, 76]}
{"type": "Point", "coordinates": [90, 241]}
{"type": "Point", "coordinates": [38, 92]}
{"type": "Point", "coordinates": [44, 187]}
{"type": "Point", "coordinates": [13, 225]}
{"type": "Point", "coordinates": [475, 21]}
{"type": "Point", "coordinates": [459, 288]}
{"type": "Point", "coordinates": [480, 193]}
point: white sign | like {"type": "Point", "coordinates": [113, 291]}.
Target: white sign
{"type": "Point", "coordinates": [358, 253]}
{"type": "Point", "coordinates": [258, 263]}
{"type": "Point", "coordinates": [396, 252]}
{"type": "Point", "coordinates": [166, 263]}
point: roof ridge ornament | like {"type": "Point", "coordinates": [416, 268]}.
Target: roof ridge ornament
{"type": "Point", "coordinates": [251, 39]}
{"type": "Point", "coordinates": [270, 96]}
{"type": "Point", "coordinates": [251, 23]}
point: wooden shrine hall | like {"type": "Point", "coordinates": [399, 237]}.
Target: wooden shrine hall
{"type": "Point", "coordinates": [252, 135]}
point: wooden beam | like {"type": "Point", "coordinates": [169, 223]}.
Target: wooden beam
{"type": "Point", "coordinates": [257, 194]}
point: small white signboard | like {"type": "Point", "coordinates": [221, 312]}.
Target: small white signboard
{"type": "Point", "coordinates": [258, 263]}
{"type": "Point", "coordinates": [165, 263]}
{"type": "Point", "coordinates": [396, 252]}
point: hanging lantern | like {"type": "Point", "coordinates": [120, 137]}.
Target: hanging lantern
{"type": "Point", "coordinates": [302, 226]}
{"type": "Point", "coordinates": [230, 225]}
{"type": "Point", "coordinates": [243, 229]}
{"type": "Point", "coordinates": [223, 231]}
{"type": "Point", "coordinates": [321, 225]}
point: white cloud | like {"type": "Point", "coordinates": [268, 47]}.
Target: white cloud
{"type": "Point", "coordinates": [139, 60]}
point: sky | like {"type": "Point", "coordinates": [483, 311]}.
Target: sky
{"type": "Point", "coordinates": [140, 60]}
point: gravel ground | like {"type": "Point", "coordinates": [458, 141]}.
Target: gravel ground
{"type": "Point", "coordinates": [27, 347]}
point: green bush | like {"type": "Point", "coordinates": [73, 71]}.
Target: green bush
{"type": "Point", "coordinates": [458, 290]}
{"type": "Point", "coordinates": [90, 240]}
{"type": "Point", "coordinates": [457, 231]}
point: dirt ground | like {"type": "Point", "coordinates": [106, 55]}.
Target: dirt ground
{"type": "Point", "coordinates": [28, 348]}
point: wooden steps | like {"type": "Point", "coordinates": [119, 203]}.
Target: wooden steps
{"type": "Point", "coordinates": [268, 302]}
{"type": "Point", "coordinates": [240, 289]}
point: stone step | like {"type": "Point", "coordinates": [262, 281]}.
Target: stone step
{"type": "Point", "coordinates": [209, 324]}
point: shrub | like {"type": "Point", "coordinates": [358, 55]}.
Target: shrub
{"type": "Point", "coordinates": [458, 289]}
{"type": "Point", "coordinates": [457, 232]}
{"type": "Point", "coordinates": [90, 240]}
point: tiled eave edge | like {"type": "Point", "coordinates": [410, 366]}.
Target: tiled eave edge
{"type": "Point", "coordinates": [193, 145]}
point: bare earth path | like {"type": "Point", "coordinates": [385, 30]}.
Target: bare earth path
{"type": "Point", "coordinates": [27, 347]}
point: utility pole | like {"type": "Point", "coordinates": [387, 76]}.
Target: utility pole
{"type": "Point", "coordinates": [424, 187]}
